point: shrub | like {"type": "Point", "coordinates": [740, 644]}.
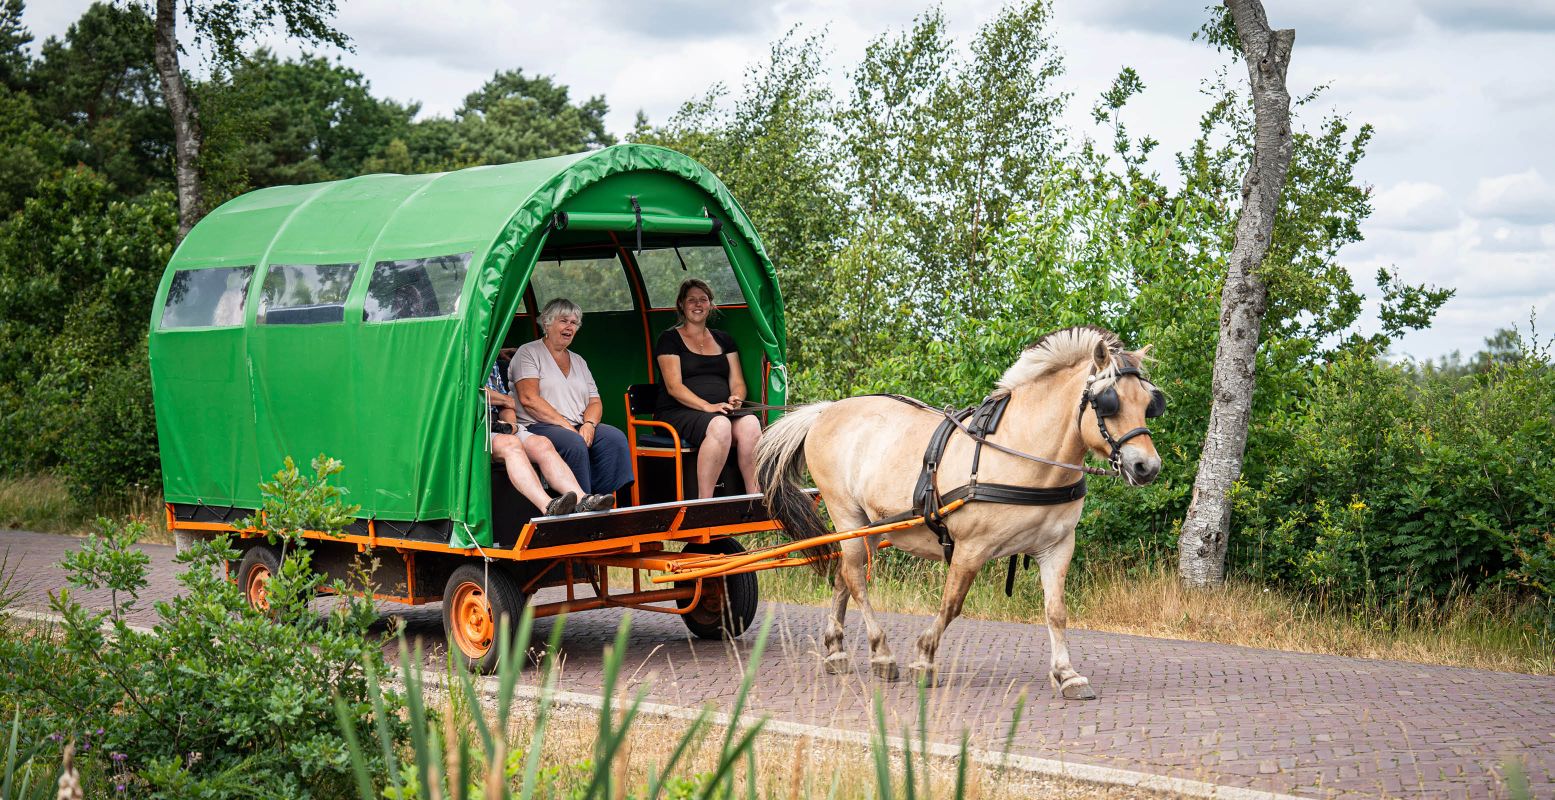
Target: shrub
{"type": "Point", "coordinates": [1404, 484]}
{"type": "Point", "coordinates": [217, 699]}
{"type": "Point", "coordinates": [112, 443]}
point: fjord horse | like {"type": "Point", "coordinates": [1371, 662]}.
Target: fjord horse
{"type": "Point", "coordinates": [866, 455]}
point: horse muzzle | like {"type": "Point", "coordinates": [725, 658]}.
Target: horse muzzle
{"type": "Point", "coordinates": [1139, 467]}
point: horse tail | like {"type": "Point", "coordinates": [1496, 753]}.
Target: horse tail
{"type": "Point", "coordinates": [780, 466]}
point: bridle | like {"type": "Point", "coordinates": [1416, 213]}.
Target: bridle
{"type": "Point", "coordinates": [1106, 404]}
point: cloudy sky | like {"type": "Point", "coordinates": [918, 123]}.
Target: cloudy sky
{"type": "Point", "coordinates": [1462, 96]}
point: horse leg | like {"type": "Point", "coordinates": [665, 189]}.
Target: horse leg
{"type": "Point", "coordinates": [957, 583]}
{"type": "Point", "coordinates": [837, 661]}
{"type": "Point", "coordinates": [1054, 566]}
{"type": "Point", "coordinates": [855, 559]}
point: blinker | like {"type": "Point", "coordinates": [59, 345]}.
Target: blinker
{"type": "Point", "coordinates": [1108, 404]}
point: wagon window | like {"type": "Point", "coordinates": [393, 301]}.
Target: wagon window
{"type": "Point", "coordinates": [416, 288]}
{"type": "Point", "coordinates": [305, 294]}
{"type": "Point", "coordinates": [664, 269]}
{"type": "Point", "coordinates": [595, 284]}
{"type": "Point", "coordinates": [207, 298]}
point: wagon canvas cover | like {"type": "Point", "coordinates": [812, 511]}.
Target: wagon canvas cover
{"type": "Point", "coordinates": [398, 400]}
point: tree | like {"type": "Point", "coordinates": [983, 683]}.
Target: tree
{"type": "Point", "coordinates": [98, 88]}
{"type": "Point", "coordinates": [1244, 298]}
{"type": "Point", "coordinates": [224, 26]}
{"type": "Point", "coordinates": [517, 118]}
{"type": "Point", "coordinates": [775, 147]}
{"type": "Point", "coordinates": [319, 118]}
{"type": "Point", "coordinates": [13, 42]}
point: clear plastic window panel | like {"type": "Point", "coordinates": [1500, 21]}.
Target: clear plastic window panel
{"type": "Point", "coordinates": [664, 269]}
{"type": "Point", "coordinates": [207, 298]}
{"type": "Point", "coordinates": [305, 294]}
{"type": "Point", "coordinates": [595, 284]}
{"type": "Point", "coordinates": [416, 288]}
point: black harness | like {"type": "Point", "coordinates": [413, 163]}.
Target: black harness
{"type": "Point", "coordinates": [979, 421]}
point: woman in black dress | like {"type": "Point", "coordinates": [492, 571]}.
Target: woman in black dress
{"type": "Point", "coordinates": [702, 389]}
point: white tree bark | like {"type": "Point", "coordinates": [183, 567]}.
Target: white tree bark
{"type": "Point", "coordinates": [1201, 550]}
{"type": "Point", "coordinates": [186, 122]}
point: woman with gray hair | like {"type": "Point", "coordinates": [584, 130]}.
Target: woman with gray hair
{"type": "Point", "coordinates": [557, 399]}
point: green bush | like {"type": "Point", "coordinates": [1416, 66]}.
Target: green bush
{"type": "Point", "coordinates": [111, 444]}
{"type": "Point", "coordinates": [1401, 483]}
{"type": "Point", "coordinates": [217, 699]}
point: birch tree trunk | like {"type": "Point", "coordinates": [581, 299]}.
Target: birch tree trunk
{"type": "Point", "coordinates": [1201, 549]}
{"type": "Point", "coordinates": [186, 122]}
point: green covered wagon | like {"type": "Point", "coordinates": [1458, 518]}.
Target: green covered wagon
{"type": "Point", "coordinates": [359, 318]}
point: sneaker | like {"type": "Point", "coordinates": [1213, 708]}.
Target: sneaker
{"type": "Point", "coordinates": [597, 502]}
{"type": "Point", "coordinates": [565, 504]}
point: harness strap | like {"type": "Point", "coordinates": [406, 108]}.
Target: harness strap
{"type": "Point", "coordinates": [996, 493]}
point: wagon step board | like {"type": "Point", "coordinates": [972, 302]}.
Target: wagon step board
{"type": "Point", "coordinates": [568, 535]}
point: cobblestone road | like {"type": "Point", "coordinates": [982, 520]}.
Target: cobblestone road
{"type": "Point", "coordinates": [1312, 725]}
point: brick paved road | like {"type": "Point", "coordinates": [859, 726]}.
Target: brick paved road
{"type": "Point", "coordinates": [1320, 726]}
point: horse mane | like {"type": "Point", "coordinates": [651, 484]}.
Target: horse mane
{"type": "Point", "coordinates": [1063, 349]}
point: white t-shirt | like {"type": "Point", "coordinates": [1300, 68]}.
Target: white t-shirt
{"type": "Point", "coordinates": [569, 394]}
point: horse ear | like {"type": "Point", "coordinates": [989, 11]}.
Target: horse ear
{"type": "Point", "coordinates": [1101, 356]}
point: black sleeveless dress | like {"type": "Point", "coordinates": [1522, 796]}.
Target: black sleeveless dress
{"type": "Point", "coordinates": [706, 376]}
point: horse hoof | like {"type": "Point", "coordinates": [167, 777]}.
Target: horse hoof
{"type": "Point", "coordinates": [885, 670]}
{"type": "Point", "coordinates": [923, 675]}
{"type": "Point", "coordinates": [1077, 688]}
{"type": "Point", "coordinates": [838, 664]}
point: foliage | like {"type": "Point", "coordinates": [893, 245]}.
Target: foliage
{"type": "Point", "coordinates": [99, 89]}
{"type": "Point", "coordinates": [78, 268]}
{"type": "Point", "coordinates": [518, 118]}
{"type": "Point", "coordinates": [318, 119]}
{"type": "Point", "coordinates": [216, 699]}
{"type": "Point", "coordinates": [1401, 488]}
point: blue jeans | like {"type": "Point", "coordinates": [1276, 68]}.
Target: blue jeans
{"type": "Point", "coordinates": [602, 468]}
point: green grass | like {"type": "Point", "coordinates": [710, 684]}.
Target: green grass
{"type": "Point", "coordinates": [43, 503]}
{"type": "Point", "coordinates": [1487, 630]}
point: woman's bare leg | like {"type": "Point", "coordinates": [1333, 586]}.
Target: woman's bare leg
{"type": "Point", "coordinates": [711, 455]}
{"type": "Point", "coordinates": [519, 470]}
{"type": "Point", "coordinates": [747, 430]}
{"type": "Point", "coordinates": [540, 450]}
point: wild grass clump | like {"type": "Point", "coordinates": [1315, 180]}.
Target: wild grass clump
{"type": "Point", "coordinates": [43, 502]}
{"type": "Point", "coordinates": [1487, 629]}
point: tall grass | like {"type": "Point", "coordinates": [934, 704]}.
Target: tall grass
{"type": "Point", "coordinates": [467, 748]}
{"type": "Point", "coordinates": [1486, 630]}
{"type": "Point", "coordinates": [43, 503]}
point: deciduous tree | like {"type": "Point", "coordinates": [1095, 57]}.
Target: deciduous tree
{"type": "Point", "coordinates": [224, 27]}
{"type": "Point", "coordinates": [1244, 298]}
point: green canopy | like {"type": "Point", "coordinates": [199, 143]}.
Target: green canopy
{"type": "Point", "coordinates": [359, 318]}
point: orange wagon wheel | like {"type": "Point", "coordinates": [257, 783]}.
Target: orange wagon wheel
{"type": "Point", "coordinates": [258, 566]}
{"type": "Point", "coordinates": [475, 600]}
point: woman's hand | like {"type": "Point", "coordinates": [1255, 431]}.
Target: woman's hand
{"type": "Point", "coordinates": [586, 430]}
{"type": "Point", "coordinates": [720, 408]}
{"type": "Point", "coordinates": [735, 401]}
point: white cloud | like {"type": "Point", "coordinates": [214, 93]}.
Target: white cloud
{"type": "Point", "coordinates": [1523, 197]}
{"type": "Point", "coordinates": [1412, 206]}
{"type": "Point", "coordinates": [1492, 15]}
{"type": "Point", "coordinates": [1335, 23]}
{"type": "Point", "coordinates": [1456, 91]}
{"type": "Point", "coordinates": [1501, 238]}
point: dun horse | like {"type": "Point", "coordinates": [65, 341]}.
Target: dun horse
{"type": "Point", "coordinates": [1070, 392]}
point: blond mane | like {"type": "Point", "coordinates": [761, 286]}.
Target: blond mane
{"type": "Point", "coordinates": [1058, 351]}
